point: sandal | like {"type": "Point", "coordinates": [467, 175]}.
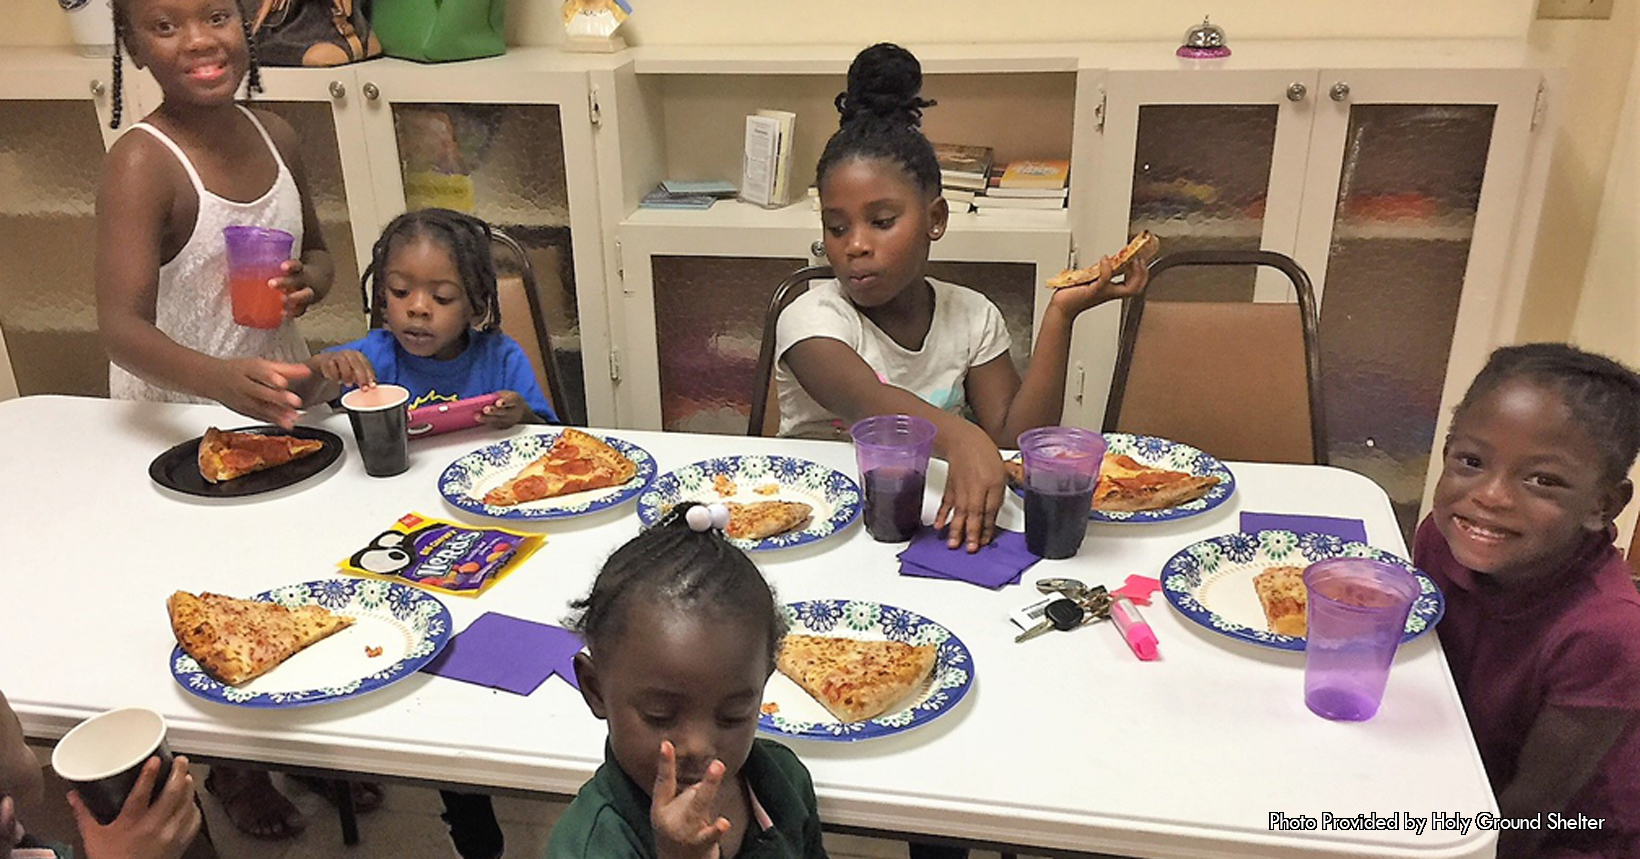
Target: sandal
{"type": "Point", "coordinates": [253, 804]}
{"type": "Point", "coordinates": [367, 795]}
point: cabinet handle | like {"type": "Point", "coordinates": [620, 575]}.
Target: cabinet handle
{"type": "Point", "coordinates": [370, 91]}
{"type": "Point", "coordinates": [1339, 91]}
{"type": "Point", "coordinates": [818, 249]}
{"type": "Point", "coordinates": [337, 91]}
{"type": "Point", "coordinates": [97, 88]}
{"type": "Point", "coordinates": [1297, 91]}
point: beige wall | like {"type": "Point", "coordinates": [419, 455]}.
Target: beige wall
{"type": "Point", "coordinates": [534, 22]}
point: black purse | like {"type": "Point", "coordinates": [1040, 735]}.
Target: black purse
{"type": "Point", "coordinates": [311, 32]}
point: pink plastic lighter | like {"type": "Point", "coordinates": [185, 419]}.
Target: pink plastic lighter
{"type": "Point", "coordinates": [1134, 630]}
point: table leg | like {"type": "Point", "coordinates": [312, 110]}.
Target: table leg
{"type": "Point", "coordinates": [344, 809]}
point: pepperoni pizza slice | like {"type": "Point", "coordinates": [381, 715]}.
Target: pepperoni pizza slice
{"type": "Point", "coordinates": [225, 455]}
{"type": "Point", "coordinates": [577, 462]}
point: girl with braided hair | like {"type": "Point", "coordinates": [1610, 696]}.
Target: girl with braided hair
{"type": "Point", "coordinates": [682, 632]}
{"type": "Point", "coordinates": [884, 338]}
{"type": "Point", "coordinates": [201, 163]}
{"type": "Point", "coordinates": [1542, 624]}
{"type": "Point", "coordinates": [432, 282]}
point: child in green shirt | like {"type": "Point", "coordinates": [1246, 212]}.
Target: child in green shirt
{"type": "Point", "coordinates": [681, 633]}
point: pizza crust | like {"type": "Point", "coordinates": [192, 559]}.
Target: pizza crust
{"type": "Point", "coordinates": [763, 519]}
{"type": "Point", "coordinates": [1144, 246]}
{"type": "Point", "coordinates": [854, 679]}
{"type": "Point", "coordinates": [1281, 593]}
{"type": "Point", "coordinates": [238, 640]}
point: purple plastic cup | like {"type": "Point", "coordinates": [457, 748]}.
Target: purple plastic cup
{"type": "Point", "coordinates": [1061, 471]}
{"type": "Point", "coordinates": [254, 258]}
{"type": "Point", "coordinates": [893, 451]}
{"type": "Point", "coordinates": [1356, 616]}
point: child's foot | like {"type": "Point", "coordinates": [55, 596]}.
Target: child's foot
{"type": "Point", "coordinates": [367, 795]}
{"type": "Point", "coordinates": [254, 805]}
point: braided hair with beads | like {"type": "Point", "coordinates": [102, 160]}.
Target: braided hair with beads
{"type": "Point", "coordinates": [117, 8]}
{"type": "Point", "coordinates": [672, 564]}
{"type": "Point", "coordinates": [466, 238]}
{"type": "Point", "coordinates": [882, 117]}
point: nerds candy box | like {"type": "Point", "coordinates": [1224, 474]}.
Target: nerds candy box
{"type": "Point", "coordinates": [443, 556]}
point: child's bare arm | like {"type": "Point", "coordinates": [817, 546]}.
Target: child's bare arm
{"type": "Point", "coordinates": [19, 769]}
{"type": "Point", "coordinates": [1562, 751]}
{"type": "Point", "coordinates": [841, 381]}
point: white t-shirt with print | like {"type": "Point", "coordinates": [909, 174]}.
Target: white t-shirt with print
{"type": "Point", "coordinates": [967, 331]}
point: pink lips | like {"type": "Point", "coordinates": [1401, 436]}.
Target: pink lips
{"type": "Point", "coordinates": [208, 72]}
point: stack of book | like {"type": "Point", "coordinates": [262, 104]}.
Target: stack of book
{"type": "Point", "coordinates": [675, 194]}
{"type": "Point", "coordinates": [964, 170]}
{"type": "Point", "coordinates": [1041, 185]}
{"type": "Point", "coordinates": [767, 167]}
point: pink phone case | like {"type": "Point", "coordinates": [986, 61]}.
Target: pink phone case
{"type": "Point", "coordinates": [436, 418]}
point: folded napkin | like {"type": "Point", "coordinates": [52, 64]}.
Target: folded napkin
{"type": "Point", "coordinates": [994, 566]}
{"type": "Point", "coordinates": [508, 653]}
{"type": "Point", "coordinates": [1344, 529]}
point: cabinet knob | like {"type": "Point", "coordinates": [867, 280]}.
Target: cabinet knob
{"type": "Point", "coordinates": [818, 249]}
{"type": "Point", "coordinates": [97, 88]}
{"type": "Point", "coordinates": [1297, 91]}
{"type": "Point", "coordinates": [370, 91]}
{"type": "Point", "coordinates": [1339, 91]}
{"type": "Point", "coordinates": [337, 91]}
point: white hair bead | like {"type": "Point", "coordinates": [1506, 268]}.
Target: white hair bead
{"type": "Point", "coordinates": [720, 516]}
{"type": "Point", "coordinates": [699, 518]}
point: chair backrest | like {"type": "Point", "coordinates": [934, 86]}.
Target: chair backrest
{"type": "Point", "coordinates": [524, 321]}
{"type": "Point", "coordinates": [765, 404]}
{"type": "Point", "coordinates": [1240, 380]}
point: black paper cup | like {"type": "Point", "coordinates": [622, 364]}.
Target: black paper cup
{"type": "Point", "coordinates": [380, 417]}
{"type": "Point", "coordinates": [102, 757]}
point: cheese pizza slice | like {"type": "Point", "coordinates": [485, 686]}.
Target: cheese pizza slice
{"type": "Point", "coordinates": [855, 680]}
{"type": "Point", "coordinates": [761, 519]}
{"type": "Point", "coordinates": [238, 640]}
{"type": "Point", "coordinates": [1144, 247]}
{"type": "Point", "coordinates": [1125, 484]}
{"type": "Point", "coordinates": [1281, 592]}
{"type": "Point", "coordinates": [576, 462]}
{"type": "Point", "coordinates": [227, 455]}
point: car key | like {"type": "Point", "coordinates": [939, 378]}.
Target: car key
{"type": "Point", "coordinates": [1059, 614]}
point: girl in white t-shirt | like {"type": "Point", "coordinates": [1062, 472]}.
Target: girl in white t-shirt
{"type": "Point", "coordinates": [884, 338]}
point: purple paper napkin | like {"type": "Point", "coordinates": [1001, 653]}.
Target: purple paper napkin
{"type": "Point", "coordinates": [508, 653]}
{"type": "Point", "coordinates": [993, 566]}
{"type": "Point", "coordinates": [1344, 529]}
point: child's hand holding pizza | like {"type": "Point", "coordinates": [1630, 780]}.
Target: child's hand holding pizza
{"type": "Point", "coordinates": [686, 827]}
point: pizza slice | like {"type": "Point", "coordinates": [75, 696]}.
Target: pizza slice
{"type": "Point", "coordinates": [855, 680]}
{"type": "Point", "coordinates": [238, 640]}
{"type": "Point", "coordinates": [225, 455]}
{"type": "Point", "coordinates": [1127, 485]}
{"type": "Point", "coordinates": [576, 462]}
{"type": "Point", "coordinates": [1144, 247]}
{"type": "Point", "coordinates": [1281, 592]}
{"type": "Point", "coordinates": [762, 519]}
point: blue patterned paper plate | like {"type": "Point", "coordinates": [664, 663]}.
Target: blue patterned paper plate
{"type": "Point", "coordinates": [410, 626]}
{"type": "Point", "coordinates": [466, 480]}
{"type": "Point", "coordinates": [834, 495]}
{"type": "Point", "coordinates": [799, 715]}
{"type": "Point", "coordinates": [1211, 582]}
{"type": "Point", "coordinates": [1172, 455]}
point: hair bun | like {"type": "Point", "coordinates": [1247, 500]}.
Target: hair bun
{"type": "Point", "coordinates": [884, 83]}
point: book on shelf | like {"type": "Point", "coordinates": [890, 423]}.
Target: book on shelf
{"type": "Point", "coordinates": [989, 202]}
{"type": "Point", "coordinates": [955, 196]}
{"type": "Point", "coordinates": [1040, 174]}
{"type": "Point", "coordinates": [963, 166]}
{"type": "Point", "coordinates": [1045, 215]}
{"type": "Point", "coordinates": [1040, 193]}
{"type": "Point", "coordinates": [708, 188]}
{"type": "Point", "coordinates": [661, 198]}
{"type": "Point", "coordinates": [783, 154]}
{"type": "Point", "coordinates": [757, 171]}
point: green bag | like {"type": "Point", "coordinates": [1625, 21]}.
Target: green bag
{"type": "Point", "coordinates": [436, 31]}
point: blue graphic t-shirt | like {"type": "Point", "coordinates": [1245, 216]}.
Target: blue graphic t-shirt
{"type": "Point", "coordinates": [491, 362]}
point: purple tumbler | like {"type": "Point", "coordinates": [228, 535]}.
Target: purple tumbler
{"type": "Point", "coordinates": [893, 452]}
{"type": "Point", "coordinates": [255, 256]}
{"type": "Point", "coordinates": [1357, 613]}
{"type": "Point", "coordinates": [1061, 471]}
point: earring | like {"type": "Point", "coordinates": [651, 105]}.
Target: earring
{"type": "Point", "coordinates": [935, 232]}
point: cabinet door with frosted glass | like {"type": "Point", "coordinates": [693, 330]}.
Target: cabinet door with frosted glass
{"type": "Point", "coordinates": [513, 147]}
{"type": "Point", "coordinates": [1408, 223]}
{"type": "Point", "coordinates": [55, 111]}
{"type": "Point", "coordinates": [1205, 159]}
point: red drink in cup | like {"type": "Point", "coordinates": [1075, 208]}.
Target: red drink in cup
{"type": "Point", "coordinates": [254, 258]}
{"type": "Point", "coordinates": [893, 452]}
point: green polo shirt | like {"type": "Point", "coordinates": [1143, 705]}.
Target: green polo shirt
{"type": "Point", "coordinates": [609, 818]}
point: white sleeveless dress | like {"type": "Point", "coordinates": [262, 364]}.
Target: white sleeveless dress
{"type": "Point", "coordinates": [193, 306]}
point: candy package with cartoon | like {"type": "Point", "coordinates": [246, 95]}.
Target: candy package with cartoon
{"type": "Point", "coordinates": [443, 556]}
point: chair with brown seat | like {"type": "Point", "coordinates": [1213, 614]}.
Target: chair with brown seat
{"type": "Point", "coordinates": [1240, 380]}
{"type": "Point", "coordinates": [765, 419]}
{"type": "Point", "coordinates": [523, 319]}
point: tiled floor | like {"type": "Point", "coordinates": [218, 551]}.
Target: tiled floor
{"type": "Point", "coordinates": [407, 826]}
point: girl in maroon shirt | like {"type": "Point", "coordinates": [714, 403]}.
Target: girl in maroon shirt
{"type": "Point", "coordinates": [1542, 626]}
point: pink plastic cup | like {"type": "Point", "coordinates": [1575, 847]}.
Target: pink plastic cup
{"type": "Point", "coordinates": [1061, 471]}
{"type": "Point", "coordinates": [1357, 613]}
{"type": "Point", "coordinates": [893, 451]}
{"type": "Point", "coordinates": [254, 257]}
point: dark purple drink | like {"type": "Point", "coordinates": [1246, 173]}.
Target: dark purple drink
{"type": "Point", "coordinates": [894, 499]}
{"type": "Point", "coordinates": [1055, 523]}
